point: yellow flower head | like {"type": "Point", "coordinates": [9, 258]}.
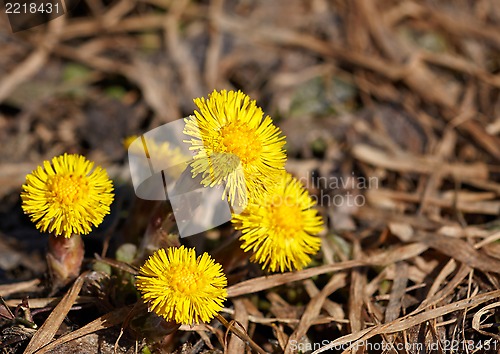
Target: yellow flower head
{"type": "Point", "coordinates": [181, 287]}
{"type": "Point", "coordinates": [159, 151]}
{"type": "Point", "coordinates": [281, 226]}
{"type": "Point", "coordinates": [66, 196]}
{"type": "Point", "coordinates": [234, 145]}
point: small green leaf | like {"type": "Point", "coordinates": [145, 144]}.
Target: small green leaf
{"type": "Point", "coordinates": [126, 253]}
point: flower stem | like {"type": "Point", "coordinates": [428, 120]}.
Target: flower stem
{"type": "Point", "coordinates": [64, 258]}
{"type": "Point", "coordinates": [158, 233]}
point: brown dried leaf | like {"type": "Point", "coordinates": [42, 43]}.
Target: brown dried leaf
{"type": "Point", "coordinates": [8, 289]}
{"type": "Point", "coordinates": [383, 258]}
{"type": "Point", "coordinates": [56, 317]}
{"type": "Point", "coordinates": [406, 322]}
{"type": "Point", "coordinates": [108, 320]}
{"type": "Point", "coordinates": [460, 251]}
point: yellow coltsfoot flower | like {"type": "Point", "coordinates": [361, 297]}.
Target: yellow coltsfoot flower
{"type": "Point", "coordinates": [162, 153]}
{"type": "Point", "coordinates": [281, 226]}
{"type": "Point", "coordinates": [181, 287]}
{"type": "Point", "coordinates": [235, 145]}
{"type": "Point", "coordinates": [66, 197]}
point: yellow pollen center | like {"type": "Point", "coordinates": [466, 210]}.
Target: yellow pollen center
{"type": "Point", "coordinates": [67, 189]}
{"type": "Point", "coordinates": [241, 141]}
{"type": "Point", "coordinates": [286, 218]}
{"type": "Point", "coordinates": [185, 280]}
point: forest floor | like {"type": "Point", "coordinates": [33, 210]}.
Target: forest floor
{"type": "Point", "coordinates": [391, 111]}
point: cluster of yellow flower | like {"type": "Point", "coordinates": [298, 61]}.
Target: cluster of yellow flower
{"type": "Point", "coordinates": [278, 222]}
{"type": "Point", "coordinates": [234, 145]}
